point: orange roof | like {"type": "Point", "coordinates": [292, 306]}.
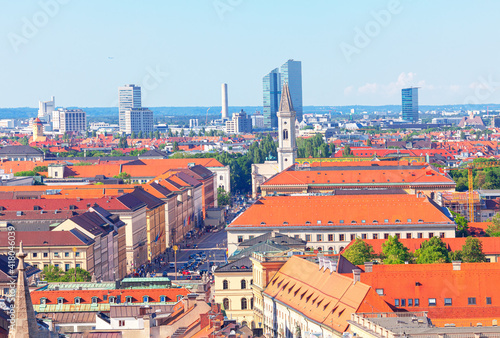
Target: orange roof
{"type": "Point", "coordinates": [491, 245]}
{"type": "Point", "coordinates": [325, 297]}
{"type": "Point", "coordinates": [357, 174]}
{"type": "Point", "coordinates": [343, 210]}
{"type": "Point", "coordinates": [440, 281]}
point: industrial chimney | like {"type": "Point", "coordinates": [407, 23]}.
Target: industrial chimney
{"type": "Point", "coordinates": [224, 100]}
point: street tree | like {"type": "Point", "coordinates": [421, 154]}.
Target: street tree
{"type": "Point", "coordinates": [432, 251]}
{"type": "Point", "coordinates": [394, 252]}
{"type": "Point", "coordinates": [359, 252]}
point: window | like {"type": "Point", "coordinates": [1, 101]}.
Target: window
{"type": "Point", "coordinates": [45, 254]}
{"type": "Point", "coordinates": [488, 300]}
{"type": "Point", "coordinates": [408, 235]}
{"type": "Point", "coordinates": [128, 299]}
{"type": "Point", "coordinates": [121, 322]}
{"type": "Point", "coordinates": [432, 301]}
{"type": "Point", "coordinates": [386, 236]}
{"type": "Point", "coordinates": [240, 239]}
{"type": "Point", "coordinates": [396, 302]}
{"type": "Point", "coordinates": [341, 237]}
{"type": "Point", "coordinates": [441, 235]}
{"type": "Point", "coordinates": [431, 234]}
{"type": "Point", "coordinates": [66, 254]}
{"type": "Point", "coordinates": [35, 254]}
{"type": "Point", "coordinates": [341, 221]}
{"type": "Point", "coordinates": [330, 238]}
{"type": "Point", "coordinates": [56, 254]}
{"type": "Point", "coordinates": [243, 303]}
{"type": "Point", "coordinates": [398, 236]}
{"type": "Point", "coordinates": [77, 254]}
{"type": "Point", "coordinates": [420, 235]}
{"type": "Point", "coordinates": [375, 236]}
{"type": "Point", "coordinates": [447, 302]}
{"type": "Point", "coordinates": [363, 221]}
{"type": "Point", "coordinates": [319, 238]}
{"type": "Point", "coordinates": [409, 220]}
{"type": "Point", "coordinates": [60, 301]}
{"type": "Point", "coordinates": [386, 220]}
{"type": "Point", "coordinates": [145, 299]}
{"type": "Point", "coordinates": [225, 304]}
{"type": "Point", "coordinates": [363, 236]}
{"type": "Point", "coordinates": [35, 266]}
{"type": "Point", "coordinates": [56, 265]}
{"type": "Point", "coordinates": [353, 237]}
{"type": "Point", "coordinates": [472, 301]}
{"type": "Point", "coordinates": [163, 299]}
{"type": "Point", "coordinates": [66, 267]}
{"type": "Point", "coordinates": [225, 285]}
{"type": "Point", "coordinates": [308, 238]}
{"type": "Point", "coordinates": [77, 300]}
{"type": "Point", "coordinates": [410, 302]}
{"type": "Point", "coordinates": [417, 302]}
{"type": "Point", "coordinates": [112, 300]}
{"type": "Point", "coordinates": [243, 284]}
{"type": "Point", "coordinates": [380, 292]}
{"type": "Point", "coordinates": [78, 265]}
{"type": "Point", "coordinates": [403, 302]}
{"type": "Point", "coordinates": [94, 300]}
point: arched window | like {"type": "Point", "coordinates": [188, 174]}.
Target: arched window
{"type": "Point", "coordinates": [243, 303]}
{"type": "Point", "coordinates": [320, 248]}
{"type": "Point", "coordinates": [225, 303]}
{"type": "Point", "coordinates": [330, 249]}
{"type": "Point", "coordinates": [243, 284]}
{"type": "Point", "coordinates": [285, 134]}
{"type": "Point", "coordinates": [225, 284]}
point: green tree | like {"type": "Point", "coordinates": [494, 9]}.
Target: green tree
{"type": "Point", "coordinates": [432, 251]}
{"type": "Point", "coordinates": [182, 132]}
{"type": "Point", "coordinates": [81, 276]}
{"type": "Point", "coordinates": [123, 142]}
{"type": "Point", "coordinates": [394, 252]}
{"type": "Point", "coordinates": [347, 151]}
{"type": "Point", "coordinates": [493, 230]}
{"type": "Point", "coordinates": [462, 225]}
{"type": "Point", "coordinates": [157, 135]}
{"type": "Point", "coordinates": [25, 173]}
{"type": "Point", "coordinates": [472, 251]}
{"type": "Point", "coordinates": [94, 133]}
{"type": "Point", "coordinates": [359, 252]}
{"type": "Point", "coordinates": [175, 146]}
{"type": "Point", "coordinates": [132, 135]}
{"type": "Point", "coordinates": [223, 197]}
{"type": "Point", "coordinates": [191, 133]}
{"type": "Point", "coordinates": [369, 143]}
{"type": "Point", "coordinates": [140, 136]}
{"type": "Point", "coordinates": [51, 273]}
{"type": "Point", "coordinates": [123, 176]}
{"type": "Point", "coordinates": [24, 141]}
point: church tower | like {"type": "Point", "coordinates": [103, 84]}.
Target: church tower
{"type": "Point", "coordinates": [287, 149]}
{"type": "Point", "coordinates": [37, 130]}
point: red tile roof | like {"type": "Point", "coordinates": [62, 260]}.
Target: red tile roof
{"type": "Point", "coordinates": [341, 210]}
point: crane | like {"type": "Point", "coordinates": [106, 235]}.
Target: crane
{"type": "Point", "coordinates": [470, 180]}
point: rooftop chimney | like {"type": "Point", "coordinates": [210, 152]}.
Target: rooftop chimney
{"type": "Point", "coordinates": [368, 266]}
{"type": "Point", "coordinates": [457, 265]}
{"type": "Point", "coordinates": [189, 301]}
{"type": "Point", "coordinates": [356, 276]}
{"type": "Point", "coordinates": [274, 233]}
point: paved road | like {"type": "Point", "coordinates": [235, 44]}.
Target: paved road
{"type": "Point", "coordinates": [213, 245]}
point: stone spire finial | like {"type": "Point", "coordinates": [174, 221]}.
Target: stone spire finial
{"type": "Point", "coordinates": [286, 100]}
{"type": "Point", "coordinates": [21, 255]}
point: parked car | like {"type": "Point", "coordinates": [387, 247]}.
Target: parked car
{"type": "Point", "coordinates": [172, 265]}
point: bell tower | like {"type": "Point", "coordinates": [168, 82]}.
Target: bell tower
{"type": "Point", "coordinates": [287, 149]}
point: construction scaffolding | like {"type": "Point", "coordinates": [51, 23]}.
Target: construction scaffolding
{"type": "Point", "coordinates": [459, 202]}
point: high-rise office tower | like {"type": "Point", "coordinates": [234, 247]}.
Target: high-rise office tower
{"type": "Point", "coordinates": [272, 93]}
{"type": "Point", "coordinates": [224, 100]}
{"type": "Point", "coordinates": [410, 104]}
{"type": "Point", "coordinates": [129, 97]}
{"type": "Point", "coordinates": [45, 108]}
{"type": "Point", "coordinates": [137, 120]}
{"type": "Point", "coordinates": [291, 73]}
{"type": "Point", "coordinates": [72, 120]}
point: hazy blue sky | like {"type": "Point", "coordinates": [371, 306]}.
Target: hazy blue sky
{"type": "Point", "coordinates": [181, 51]}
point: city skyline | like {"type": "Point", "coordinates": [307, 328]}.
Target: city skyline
{"type": "Point", "coordinates": [352, 54]}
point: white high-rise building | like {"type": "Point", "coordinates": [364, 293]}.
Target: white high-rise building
{"type": "Point", "coordinates": [45, 109]}
{"type": "Point", "coordinates": [72, 120]}
{"type": "Point", "coordinates": [137, 120]}
{"type": "Point", "coordinates": [129, 97]}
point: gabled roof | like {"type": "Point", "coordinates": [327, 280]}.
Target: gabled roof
{"type": "Point", "coordinates": [131, 202]}
{"type": "Point", "coordinates": [20, 150]}
{"type": "Point", "coordinates": [321, 295]}
{"type": "Point", "coordinates": [150, 200]}
{"type": "Point", "coordinates": [276, 238]}
{"type": "Point", "coordinates": [241, 265]}
{"type": "Point", "coordinates": [91, 222]}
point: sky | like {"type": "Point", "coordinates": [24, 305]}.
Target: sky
{"type": "Point", "coordinates": [352, 52]}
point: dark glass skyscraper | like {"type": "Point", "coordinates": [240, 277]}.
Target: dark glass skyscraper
{"type": "Point", "coordinates": [410, 104]}
{"type": "Point", "coordinates": [272, 95]}
{"type": "Point", "coordinates": [290, 72]}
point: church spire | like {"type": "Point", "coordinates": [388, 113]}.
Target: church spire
{"type": "Point", "coordinates": [286, 101]}
{"type": "Point", "coordinates": [25, 324]}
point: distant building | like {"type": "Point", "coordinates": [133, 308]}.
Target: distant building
{"type": "Point", "coordinates": [129, 96]}
{"type": "Point", "coordinates": [410, 104]}
{"type": "Point", "coordinates": [193, 123]}
{"type": "Point", "coordinates": [74, 120]}
{"type": "Point", "coordinates": [45, 108]}
{"type": "Point", "coordinates": [257, 120]}
{"type": "Point", "coordinates": [240, 123]}
{"type": "Point", "coordinates": [291, 73]}
{"type": "Point", "coordinates": [472, 121]}
{"type": "Point", "coordinates": [137, 120]}
{"type": "Point", "coordinates": [38, 131]}
{"type": "Point", "coordinates": [272, 93]}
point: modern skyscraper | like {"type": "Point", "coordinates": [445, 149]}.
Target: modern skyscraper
{"type": "Point", "coordinates": [45, 109]}
{"type": "Point", "coordinates": [287, 148]}
{"type": "Point", "coordinates": [137, 120]}
{"type": "Point", "coordinates": [291, 73]}
{"type": "Point", "coordinates": [410, 104]}
{"type": "Point", "coordinates": [224, 100]}
{"type": "Point", "coordinates": [272, 93]}
{"type": "Point", "coordinates": [129, 97]}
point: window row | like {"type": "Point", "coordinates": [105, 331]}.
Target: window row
{"type": "Point", "coordinates": [110, 299]}
{"type": "Point", "coordinates": [244, 304]}
{"type": "Point", "coordinates": [55, 254]}
{"type": "Point", "coordinates": [432, 301]}
{"type": "Point", "coordinates": [243, 284]}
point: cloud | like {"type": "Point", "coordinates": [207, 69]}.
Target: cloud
{"type": "Point", "coordinates": [348, 90]}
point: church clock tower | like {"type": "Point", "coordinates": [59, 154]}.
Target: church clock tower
{"type": "Point", "coordinates": [287, 149]}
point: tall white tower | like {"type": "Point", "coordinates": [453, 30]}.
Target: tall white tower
{"type": "Point", "coordinates": [224, 100]}
{"type": "Point", "coordinates": [45, 108]}
{"type": "Point", "coordinates": [129, 97]}
{"type": "Point", "coordinates": [287, 150]}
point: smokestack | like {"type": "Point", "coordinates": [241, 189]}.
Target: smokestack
{"type": "Point", "coordinates": [224, 100]}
